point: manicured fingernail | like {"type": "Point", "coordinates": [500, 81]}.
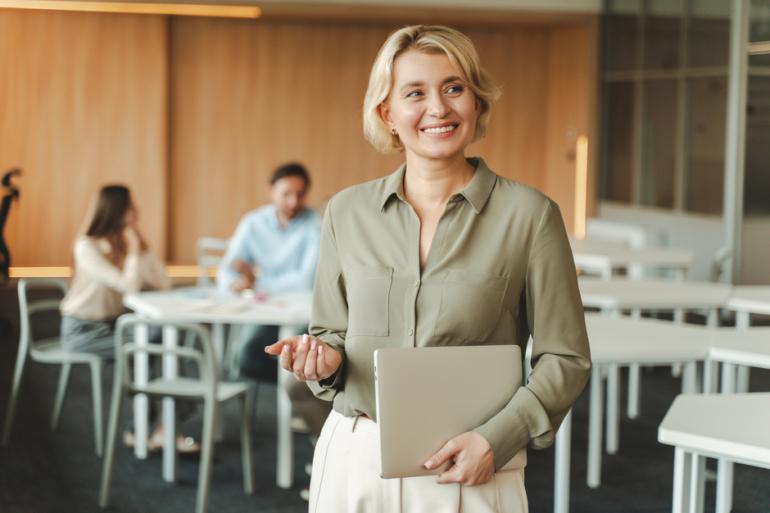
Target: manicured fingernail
{"type": "Point", "coordinates": [428, 464]}
{"type": "Point", "coordinates": [285, 349]}
{"type": "Point", "coordinates": [312, 345]}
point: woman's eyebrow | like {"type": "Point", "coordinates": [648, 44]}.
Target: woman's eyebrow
{"type": "Point", "coordinates": [417, 83]}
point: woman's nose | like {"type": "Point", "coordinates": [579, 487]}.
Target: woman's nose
{"type": "Point", "coordinates": [437, 106]}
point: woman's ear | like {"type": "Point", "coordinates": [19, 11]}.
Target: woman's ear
{"type": "Point", "coordinates": [384, 111]}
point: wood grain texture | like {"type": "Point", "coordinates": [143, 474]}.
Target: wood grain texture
{"type": "Point", "coordinates": [248, 96]}
{"type": "Point", "coordinates": [195, 113]}
{"type": "Point", "coordinates": [571, 108]}
{"type": "Point", "coordinates": [82, 98]}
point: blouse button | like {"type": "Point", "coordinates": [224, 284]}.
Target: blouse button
{"type": "Point", "coordinates": [411, 332]}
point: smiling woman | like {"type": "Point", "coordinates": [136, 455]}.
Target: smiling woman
{"type": "Point", "coordinates": [442, 252]}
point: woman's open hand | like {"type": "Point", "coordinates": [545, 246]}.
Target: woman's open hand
{"type": "Point", "coordinates": [309, 358]}
{"type": "Point", "coordinates": [472, 462]}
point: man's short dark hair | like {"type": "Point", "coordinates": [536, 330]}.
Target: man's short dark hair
{"type": "Point", "coordinates": [291, 169]}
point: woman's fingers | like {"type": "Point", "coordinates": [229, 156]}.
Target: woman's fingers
{"type": "Point", "coordinates": [275, 349]}
{"type": "Point", "coordinates": [286, 357]}
{"type": "Point", "coordinates": [311, 362]}
{"type": "Point", "coordinates": [300, 357]}
{"type": "Point", "coordinates": [446, 453]}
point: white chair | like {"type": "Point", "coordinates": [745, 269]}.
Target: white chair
{"type": "Point", "coordinates": [207, 388]}
{"type": "Point", "coordinates": [50, 351]}
{"type": "Point", "coordinates": [209, 252]}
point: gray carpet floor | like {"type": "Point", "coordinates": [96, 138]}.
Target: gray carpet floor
{"type": "Point", "coordinates": [45, 472]}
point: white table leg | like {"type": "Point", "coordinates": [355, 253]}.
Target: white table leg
{"type": "Point", "coordinates": [284, 463]}
{"type": "Point", "coordinates": [613, 408]}
{"type": "Point", "coordinates": [680, 463]}
{"type": "Point", "coordinates": [218, 341]}
{"type": "Point", "coordinates": [724, 466]}
{"type": "Point", "coordinates": [689, 378]}
{"type": "Point", "coordinates": [679, 315]}
{"type": "Point", "coordinates": [595, 429]}
{"type": "Point", "coordinates": [561, 483]}
{"type": "Point", "coordinates": [697, 483]}
{"type": "Point", "coordinates": [634, 379]}
{"type": "Point", "coordinates": [742, 322]}
{"type": "Point", "coordinates": [170, 371]}
{"type": "Point", "coordinates": [710, 376]}
{"type": "Point", "coordinates": [141, 403]}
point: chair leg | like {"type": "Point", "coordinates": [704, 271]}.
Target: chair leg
{"type": "Point", "coordinates": [21, 359]}
{"type": "Point", "coordinates": [207, 454]}
{"type": "Point", "coordinates": [96, 385]}
{"type": "Point", "coordinates": [61, 391]}
{"type": "Point", "coordinates": [112, 434]}
{"type": "Point", "coordinates": [593, 474]}
{"type": "Point", "coordinates": [248, 468]}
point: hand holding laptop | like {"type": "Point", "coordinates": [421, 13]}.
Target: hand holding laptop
{"type": "Point", "coordinates": [471, 458]}
{"type": "Point", "coordinates": [309, 358]}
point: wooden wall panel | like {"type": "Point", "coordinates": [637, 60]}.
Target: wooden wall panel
{"type": "Point", "coordinates": [571, 112]}
{"type": "Point", "coordinates": [82, 103]}
{"type": "Point", "coordinates": [250, 95]}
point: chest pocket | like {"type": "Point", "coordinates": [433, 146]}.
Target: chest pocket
{"type": "Point", "coordinates": [368, 290]}
{"type": "Point", "coordinates": [471, 304]}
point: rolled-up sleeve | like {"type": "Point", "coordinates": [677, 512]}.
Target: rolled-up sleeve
{"type": "Point", "coordinates": [329, 320]}
{"type": "Point", "coordinates": [560, 353]}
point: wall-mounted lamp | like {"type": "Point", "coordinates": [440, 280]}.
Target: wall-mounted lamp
{"type": "Point", "coordinates": [234, 10]}
{"type": "Point", "coordinates": [581, 185]}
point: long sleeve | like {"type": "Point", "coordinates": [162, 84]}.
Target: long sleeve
{"type": "Point", "coordinates": [329, 320]}
{"type": "Point", "coordinates": [298, 279]}
{"type": "Point", "coordinates": [153, 272]}
{"type": "Point", "coordinates": [237, 249]}
{"type": "Point", "coordinates": [92, 262]}
{"type": "Point", "coordinates": [560, 357]}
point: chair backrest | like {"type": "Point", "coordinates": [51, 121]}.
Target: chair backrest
{"type": "Point", "coordinates": [720, 261]}
{"type": "Point", "coordinates": [209, 252]}
{"type": "Point", "coordinates": [28, 308]}
{"type": "Point", "coordinates": [204, 357]}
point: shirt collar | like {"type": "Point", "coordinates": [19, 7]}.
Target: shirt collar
{"type": "Point", "coordinates": [476, 193]}
{"type": "Point", "coordinates": [272, 218]}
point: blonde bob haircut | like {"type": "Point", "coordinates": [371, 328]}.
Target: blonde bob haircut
{"type": "Point", "coordinates": [431, 39]}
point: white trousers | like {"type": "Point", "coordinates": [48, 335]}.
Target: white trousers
{"type": "Point", "coordinates": [346, 479]}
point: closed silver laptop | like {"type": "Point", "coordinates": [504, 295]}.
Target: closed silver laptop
{"type": "Point", "coordinates": [426, 396]}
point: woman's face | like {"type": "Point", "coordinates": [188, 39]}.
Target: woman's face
{"type": "Point", "coordinates": [131, 216]}
{"type": "Point", "coordinates": [431, 106]}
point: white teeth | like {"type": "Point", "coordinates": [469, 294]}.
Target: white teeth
{"type": "Point", "coordinates": [439, 130]}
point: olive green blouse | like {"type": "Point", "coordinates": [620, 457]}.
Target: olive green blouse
{"type": "Point", "coordinates": [499, 269]}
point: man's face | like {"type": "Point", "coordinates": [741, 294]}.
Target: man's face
{"type": "Point", "coordinates": [288, 195]}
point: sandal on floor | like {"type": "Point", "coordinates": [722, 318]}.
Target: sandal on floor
{"type": "Point", "coordinates": [184, 444]}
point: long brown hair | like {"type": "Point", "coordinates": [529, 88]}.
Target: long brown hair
{"type": "Point", "coordinates": [107, 222]}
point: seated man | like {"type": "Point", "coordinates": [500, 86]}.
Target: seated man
{"type": "Point", "coordinates": [275, 250]}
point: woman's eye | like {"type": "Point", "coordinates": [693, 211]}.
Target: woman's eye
{"type": "Point", "coordinates": [454, 89]}
{"type": "Point", "coordinates": [413, 94]}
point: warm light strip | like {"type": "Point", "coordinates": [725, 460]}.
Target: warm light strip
{"type": "Point", "coordinates": [581, 186]}
{"type": "Point", "coordinates": [173, 271]}
{"type": "Point", "coordinates": [181, 9]}
{"type": "Point", "coordinates": [759, 48]}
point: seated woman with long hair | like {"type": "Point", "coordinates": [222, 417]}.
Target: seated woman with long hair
{"type": "Point", "coordinates": [110, 260]}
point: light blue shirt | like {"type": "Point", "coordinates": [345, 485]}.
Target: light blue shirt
{"type": "Point", "coordinates": [286, 255]}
